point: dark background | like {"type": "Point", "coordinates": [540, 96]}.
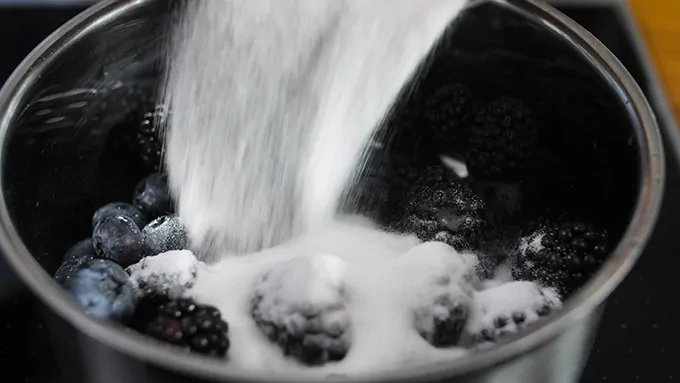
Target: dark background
{"type": "Point", "coordinates": [636, 341]}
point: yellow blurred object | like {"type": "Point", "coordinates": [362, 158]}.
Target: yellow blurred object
{"type": "Point", "coordinates": [659, 21]}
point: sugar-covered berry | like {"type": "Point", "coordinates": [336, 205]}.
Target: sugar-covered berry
{"type": "Point", "coordinates": [152, 196]}
{"type": "Point", "coordinates": [119, 239]}
{"type": "Point", "coordinates": [164, 234]}
{"type": "Point", "coordinates": [170, 274]}
{"type": "Point", "coordinates": [116, 209]}
{"type": "Point", "coordinates": [441, 207]}
{"type": "Point", "coordinates": [103, 289]}
{"type": "Point", "coordinates": [562, 255]}
{"type": "Point", "coordinates": [508, 308]}
{"type": "Point", "coordinates": [440, 290]}
{"type": "Point", "coordinates": [299, 305]}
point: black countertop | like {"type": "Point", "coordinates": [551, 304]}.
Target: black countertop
{"type": "Point", "coordinates": [636, 341]}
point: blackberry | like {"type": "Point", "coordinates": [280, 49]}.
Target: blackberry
{"type": "Point", "coordinates": [442, 207]}
{"type": "Point", "coordinates": [447, 112]}
{"type": "Point", "coordinates": [183, 322]}
{"type": "Point", "coordinates": [493, 315]}
{"type": "Point", "coordinates": [563, 255]}
{"type": "Point", "coordinates": [503, 141]}
{"type": "Point", "coordinates": [443, 282]}
{"type": "Point", "coordinates": [311, 328]}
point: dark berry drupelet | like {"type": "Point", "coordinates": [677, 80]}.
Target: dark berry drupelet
{"type": "Point", "coordinates": [119, 209]}
{"type": "Point", "coordinates": [442, 207]}
{"type": "Point", "coordinates": [448, 111]}
{"type": "Point", "coordinates": [183, 322]}
{"type": "Point", "coordinates": [119, 239]}
{"type": "Point", "coordinates": [103, 289]}
{"type": "Point", "coordinates": [504, 141]}
{"type": "Point", "coordinates": [152, 196]}
{"type": "Point", "coordinates": [563, 256]}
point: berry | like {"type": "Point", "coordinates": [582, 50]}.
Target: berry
{"type": "Point", "coordinates": [563, 256]}
{"type": "Point", "coordinates": [443, 207]}
{"type": "Point", "coordinates": [81, 251]}
{"type": "Point", "coordinates": [75, 258]}
{"type": "Point", "coordinates": [312, 328]}
{"type": "Point", "coordinates": [448, 111]}
{"type": "Point", "coordinates": [119, 209]}
{"type": "Point", "coordinates": [503, 142]}
{"type": "Point", "coordinates": [507, 309]}
{"type": "Point", "coordinates": [164, 234]}
{"type": "Point", "coordinates": [152, 196]}
{"type": "Point", "coordinates": [119, 239]}
{"type": "Point", "coordinates": [169, 274]}
{"type": "Point", "coordinates": [442, 286]}
{"type": "Point", "coordinates": [103, 289]}
{"type": "Point", "coordinates": [183, 322]}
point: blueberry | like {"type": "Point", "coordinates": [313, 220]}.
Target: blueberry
{"type": "Point", "coordinates": [102, 288]}
{"type": "Point", "coordinates": [119, 209]}
{"type": "Point", "coordinates": [152, 196]}
{"type": "Point", "coordinates": [119, 239]}
{"type": "Point", "coordinates": [80, 251]}
{"type": "Point", "coordinates": [67, 270]}
{"type": "Point", "coordinates": [77, 255]}
{"type": "Point", "coordinates": [164, 234]}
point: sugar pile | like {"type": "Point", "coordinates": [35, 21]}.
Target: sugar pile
{"type": "Point", "coordinates": [384, 289]}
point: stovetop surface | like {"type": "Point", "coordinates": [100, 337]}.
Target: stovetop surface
{"type": "Point", "coordinates": [636, 340]}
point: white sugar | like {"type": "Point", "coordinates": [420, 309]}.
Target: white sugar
{"type": "Point", "coordinates": [531, 243]}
